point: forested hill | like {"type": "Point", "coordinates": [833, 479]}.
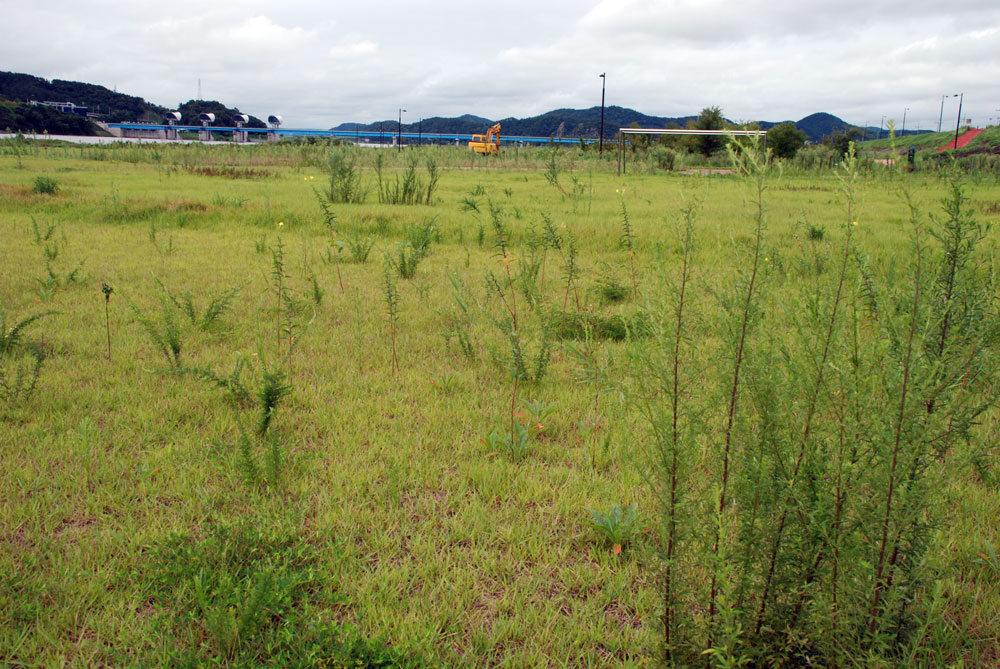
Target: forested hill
{"type": "Point", "coordinates": [111, 106]}
{"type": "Point", "coordinates": [556, 123]}
{"type": "Point", "coordinates": [584, 123]}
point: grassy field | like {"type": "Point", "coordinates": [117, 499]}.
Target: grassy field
{"type": "Point", "coordinates": [258, 483]}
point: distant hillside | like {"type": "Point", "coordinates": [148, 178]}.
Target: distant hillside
{"type": "Point", "coordinates": [466, 124]}
{"type": "Point", "coordinates": [20, 116]}
{"type": "Point", "coordinates": [586, 122]}
{"type": "Point", "coordinates": [111, 107]}
{"type": "Point", "coordinates": [556, 123]}
{"type": "Point", "coordinates": [583, 123]}
{"type": "Point", "coordinates": [118, 107]}
{"type": "Point", "coordinates": [821, 125]}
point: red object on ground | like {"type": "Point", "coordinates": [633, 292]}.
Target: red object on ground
{"type": "Point", "coordinates": [967, 137]}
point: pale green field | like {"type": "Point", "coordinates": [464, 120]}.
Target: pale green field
{"type": "Point", "coordinates": [403, 522]}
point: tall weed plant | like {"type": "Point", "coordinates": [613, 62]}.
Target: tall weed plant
{"type": "Point", "coordinates": [795, 502]}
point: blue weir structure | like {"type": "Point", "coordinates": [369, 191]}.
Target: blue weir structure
{"type": "Point", "coordinates": [155, 131]}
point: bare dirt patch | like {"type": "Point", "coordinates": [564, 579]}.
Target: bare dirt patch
{"type": "Point", "coordinates": [707, 172]}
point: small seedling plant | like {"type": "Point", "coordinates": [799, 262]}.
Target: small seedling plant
{"type": "Point", "coordinates": [107, 290]}
{"type": "Point", "coordinates": [390, 292]}
{"type": "Point", "coordinates": [617, 526]}
{"type": "Point", "coordinates": [330, 221]}
{"type": "Point", "coordinates": [20, 359]}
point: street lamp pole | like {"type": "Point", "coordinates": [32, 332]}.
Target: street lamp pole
{"type": "Point", "coordinates": [902, 133]}
{"type": "Point", "coordinates": [880, 124]}
{"type": "Point", "coordinates": [941, 115]}
{"type": "Point", "coordinates": [399, 131]}
{"type": "Point", "coordinates": [958, 123]}
{"type": "Point", "coordinates": [601, 143]}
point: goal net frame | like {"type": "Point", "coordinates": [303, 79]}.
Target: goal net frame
{"type": "Point", "coordinates": [679, 131]}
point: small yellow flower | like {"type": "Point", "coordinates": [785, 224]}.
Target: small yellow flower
{"type": "Point", "coordinates": [281, 224]}
{"type": "Point", "coordinates": [305, 178]}
{"type": "Point", "coordinates": [854, 223]}
{"type": "Point", "coordinates": [766, 259]}
{"type": "Point", "coordinates": [617, 191]}
{"type": "Point", "coordinates": [312, 178]}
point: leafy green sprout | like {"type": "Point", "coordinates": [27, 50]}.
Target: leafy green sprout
{"type": "Point", "coordinates": [618, 526]}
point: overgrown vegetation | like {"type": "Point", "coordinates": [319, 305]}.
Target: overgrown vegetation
{"type": "Point", "coordinates": [752, 425]}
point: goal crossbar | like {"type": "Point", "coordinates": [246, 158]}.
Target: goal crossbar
{"type": "Point", "coordinates": [689, 131]}
{"type": "Point", "coordinates": [678, 131]}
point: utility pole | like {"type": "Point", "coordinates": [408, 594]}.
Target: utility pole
{"type": "Point", "coordinates": [601, 142]}
{"type": "Point", "coordinates": [399, 131]}
{"type": "Point", "coordinates": [880, 124]}
{"type": "Point", "coordinates": [420, 132]}
{"type": "Point", "coordinates": [902, 132]}
{"type": "Point", "coordinates": [958, 123]}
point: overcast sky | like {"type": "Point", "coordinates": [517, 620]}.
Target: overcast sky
{"type": "Point", "coordinates": [319, 64]}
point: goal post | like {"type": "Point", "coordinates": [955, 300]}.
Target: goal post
{"type": "Point", "coordinates": [623, 132]}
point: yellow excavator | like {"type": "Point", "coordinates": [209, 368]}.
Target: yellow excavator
{"type": "Point", "coordinates": [487, 144]}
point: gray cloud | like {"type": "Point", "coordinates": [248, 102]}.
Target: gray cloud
{"type": "Point", "coordinates": [319, 64]}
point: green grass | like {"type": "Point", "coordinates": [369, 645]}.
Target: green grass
{"type": "Point", "coordinates": [398, 535]}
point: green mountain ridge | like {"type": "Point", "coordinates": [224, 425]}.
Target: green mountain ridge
{"type": "Point", "coordinates": [584, 123]}
{"type": "Point", "coordinates": [112, 107]}
{"type": "Point", "coordinates": [17, 89]}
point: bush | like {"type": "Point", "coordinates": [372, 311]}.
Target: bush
{"type": "Point", "coordinates": [664, 158]}
{"type": "Point", "coordinates": [45, 185]}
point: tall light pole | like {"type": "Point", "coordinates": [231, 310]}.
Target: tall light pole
{"type": "Point", "coordinates": [958, 123]}
{"type": "Point", "coordinates": [601, 143]}
{"type": "Point", "coordinates": [902, 133]}
{"type": "Point", "coordinates": [941, 115]}
{"type": "Point", "coordinates": [880, 124]}
{"type": "Point", "coordinates": [399, 131]}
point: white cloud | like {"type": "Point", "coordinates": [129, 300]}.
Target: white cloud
{"type": "Point", "coordinates": [353, 49]}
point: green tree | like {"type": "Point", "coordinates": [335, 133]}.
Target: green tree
{"type": "Point", "coordinates": [841, 141]}
{"type": "Point", "coordinates": [683, 143]}
{"type": "Point", "coordinates": [639, 143]}
{"type": "Point", "coordinates": [785, 140]}
{"type": "Point", "coordinates": [710, 118]}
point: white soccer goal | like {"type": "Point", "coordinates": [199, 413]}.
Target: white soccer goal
{"type": "Point", "coordinates": [678, 131]}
